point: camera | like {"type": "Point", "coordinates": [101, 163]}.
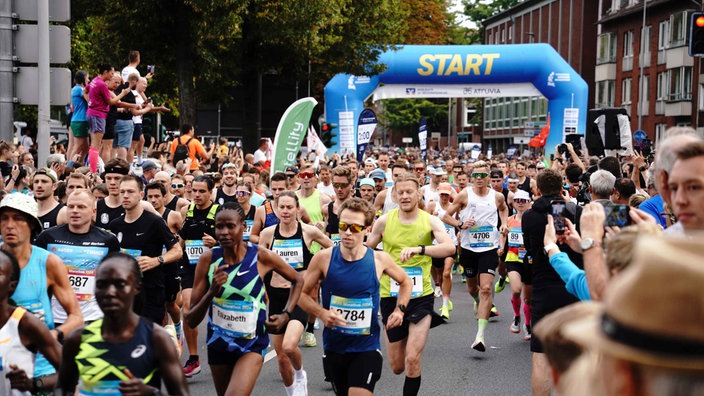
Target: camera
{"type": "Point", "coordinates": [562, 148]}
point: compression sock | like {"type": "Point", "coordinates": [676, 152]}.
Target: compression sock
{"type": "Point", "coordinates": [445, 300]}
{"type": "Point", "coordinates": [516, 303]}
{"type": "Point", "coordinates": [298, 374]}
{"type": "Point", "coordinates": [481, 325]}
{"type": "Point", "coordinates": [527, 313]}
{"type": "Point", "coordinates": [93, 156]}
{"type": "Point", "coordinates": [290, 389]}
{"type": "Point", "coordinates": [411, 386]}
{"type": "Point", "coordinates": [310, 327]}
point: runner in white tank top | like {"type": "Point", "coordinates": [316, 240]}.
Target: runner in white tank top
{"type": "Point", "coordinates": [479, 239]}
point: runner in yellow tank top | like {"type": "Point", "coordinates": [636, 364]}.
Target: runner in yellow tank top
{"type": "Point", "coordinates": [407, 234]}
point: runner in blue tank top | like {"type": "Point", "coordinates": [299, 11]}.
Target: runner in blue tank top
{"type": "Point", "coordinates": [229, 287]}
{"type": "Point", "coordinates": [350, 276]}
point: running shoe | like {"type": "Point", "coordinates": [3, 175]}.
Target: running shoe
{"type": "Point", "coordinates": [516, 325]}
{"type": "Point", "coordinates": [301, 388]}
{"type": "Point", "coordinates": [450, 305]}
{"type": "Point", "coordinates": [500, 285]}
{"type": "Point", "coordinates": [309, 340]}
{"type": "Point", "coordinates": [445, 312]}
{"type": "Point", "coordinates": [192, 367]}
{"type": "Point", "coordinates": [171, 330]}
{"type": "Point", "coordinates": [464, 279]}
{"type": "Point", "coordinates": [316, 325]}
{"type": "Point", "coordinates": [494, 312]}
{"type": "Point", "coordinates": [528, 334]}
{"type": "Point", "coordinates": [438, 291]}
{"type": "Point", "coordinates": [478, 345]}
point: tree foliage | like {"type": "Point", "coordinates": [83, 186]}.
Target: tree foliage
{"type": "Point", "coordinates": [479, 10]}
{"type": "Point", "coordinates": [403, 115]}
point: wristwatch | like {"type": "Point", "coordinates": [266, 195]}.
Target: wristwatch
{"type": "Point", "coordinates": [37, 384]}
{"type": "Point", "coordinates": [402, 307]}
{"type": "Point", "coordinates": [160, 259]}
{"type": "Point", "coordinates": [549, 247]}
{"type": "Point", "coordinates": [588, 243]}
{"type": "Point", "coordinates": [422, 250]}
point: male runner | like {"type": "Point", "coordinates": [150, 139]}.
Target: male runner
{"type": "Point", "coordinates": [349, 277]}
{"type": "Point", "coordinates": [43, 187]}
{"type": "Point", "coordinates": [197, 233]}
{"type": "Point", "coordinates": [81, 246]}
{"type": "Point", "coordinates": [171, 201]}
{"type": "Point", "coordinates": [407, 233]}
{"type": "Point", "coordinates": [342, 182]}
{"type": "Point", "coordinates": [479, 240]}
{"type": "Point", "coordinates": [226, 192]}
{"type": "Point", "coordinates": [110, 207]}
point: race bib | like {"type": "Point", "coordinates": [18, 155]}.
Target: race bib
{"type": "Point", "coordinates": [291, 250]}
{"type": "Point", "coordinates": [356, 311]}
{"type": "Point", "coordinates": [416, 275]}
{"type": "Point", "coordinates": [132, 252]}
{"type": "Point", "coordinates": [482, 236]}
{"type": "Point", "coordinates": [515, 238]}
{"type": "Point", "coordinates": [248, 230]}
{"type": "Point", "coordinates": [522, 253]}
{"type": "Point", "coordinates": [194, 248]}
{"type": "Point", "coordinates": [81, 262]}
{"type": "Point", "coordinates": [335, 238]}
{"type": "Point", "coordinates": [100, 388]}
{"type": "Point", "coordinates": [237, 319]}
{"type": "Point", "coordinates": [35, 307]}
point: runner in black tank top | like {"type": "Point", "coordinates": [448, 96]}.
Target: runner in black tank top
{"type": "Point", "coordinates": [105, 214]}
{"type": "Point", "coordinates": [49, 219]}
{"type": "Point", "coordinates": [172, 204]}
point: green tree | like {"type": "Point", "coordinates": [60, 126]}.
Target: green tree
{"type": "Point", "coordinates": [480, 10]}
{"type": "Point", "coordinates": [403, 115]}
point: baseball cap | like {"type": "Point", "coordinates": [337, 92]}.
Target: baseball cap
{"type": "Point", "coordinates": [26, 205]}
{"type": "Point", "coordinates": [367, 181]}
{"type": "Point", "coordinates": [438, 171]}
{"type": "Point", "coordinates": [444, 188]}
{"type": "Point", "coordinates": [47, 172]}
{"type": "Point", "coordinates": [370, 161]}
{"type": "Point", "coordinates": [520, 194]}
{"type": "Point", "coordinates": [148, 165]}
{"type": "Point", "coordinates": [497, 173]}
{"type": "Point", "coordinates": [292, 169]}
{"type": "Point", "coordinates": [377, 174]}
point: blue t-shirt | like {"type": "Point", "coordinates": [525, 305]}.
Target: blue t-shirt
{"type": "Point", "coordinates": [654, 207]}
{"type": "Point", "coordinates": [79, 104]}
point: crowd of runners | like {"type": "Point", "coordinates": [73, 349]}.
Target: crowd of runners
{"type": "Point", "coordinates": [107, 268]}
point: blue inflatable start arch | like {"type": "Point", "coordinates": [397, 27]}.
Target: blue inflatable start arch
{"type": "Point", "coordinates": [452, 71]}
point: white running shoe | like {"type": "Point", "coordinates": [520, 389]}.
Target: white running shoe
{"type": "Point", "coordinates": [301, 384]}
{"type": "Point", "coordinates": [516, 325]}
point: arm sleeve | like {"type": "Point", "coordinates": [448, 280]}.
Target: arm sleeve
{"type": "Point", "coordinates": [575, 279]}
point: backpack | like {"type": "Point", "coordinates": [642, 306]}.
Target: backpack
{"type": "Point", "coordinates": [181, 153]}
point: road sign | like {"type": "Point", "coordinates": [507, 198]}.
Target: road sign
{"type": "Point", "coordinates": [59, 44]}
{"type": "Point", "coordinates": [27, 90]}
{"type": "Point", "coordinates": [639, 136]}
{"type": "Point", "coordinates": [59, 10]}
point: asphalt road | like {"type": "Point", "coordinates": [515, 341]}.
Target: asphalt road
{"type": "Point", "coordinates": [449, 366]}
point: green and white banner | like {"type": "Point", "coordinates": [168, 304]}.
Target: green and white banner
{"type": "Point", "coordinates": [290, 134]}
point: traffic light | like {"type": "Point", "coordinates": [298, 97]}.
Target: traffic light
{"type": "Point", "coordinates": [696, 34]}
{"type": "Point", "coordinates": [327, 134]}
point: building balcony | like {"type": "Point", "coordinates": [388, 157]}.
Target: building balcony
{"type": "Point", "coordinates": [678, 57]}
{"type": "Point", "coordinates": [660, 107]}
{"type": "Point", "coordinates": [679, 108]}
{"type": "Point", "coordinates": [605, 72]}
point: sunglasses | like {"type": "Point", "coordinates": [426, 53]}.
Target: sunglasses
{"type": "Point", "coordinates": [340, 185]}
{"type": "Point", "coordinates": [306, 175]}
{"type": "Point", "coordinates": [479, 175]}
{"type": "Point", "coordinates": [354, 228]}
{"type": "Point", "coordinates": [419, 169]}
{"type": "Point", "coordinates": [290, 176]}
{"type": "Point", "coordinates": [177, 185]}
{"type": "Point", "coordinates": [242, 193]}
{"type": "Point", "coordinates": [521, 201]}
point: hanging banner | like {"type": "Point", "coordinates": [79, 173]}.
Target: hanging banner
{"type": "Point", "coordinates": [423, 138]}
{"type": "Point", "coordinates": [314, 143]}
{"type": "Point", "coordinates": [476, 150]}
{"type": "Point", "coordinates": [365, 129]}
{"type": "Point", "coordinates": [290, 134]}
{"type": "Point", "coordinates": [489, 152]}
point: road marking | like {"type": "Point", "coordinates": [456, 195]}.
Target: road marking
{"type": "Point", "coordinates": [270, 355]}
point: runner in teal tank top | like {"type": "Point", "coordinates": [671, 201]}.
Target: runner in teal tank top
{"type": "Point", "coordinates": [229, 288]}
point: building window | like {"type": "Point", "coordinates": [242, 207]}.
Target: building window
{"type": "Point", "coordinates": [663, 34]}
{"type": "Point", "coordinates": [662, 86]}
{"type": "Point", "coordinates": [680, 83]}
{"type": "Point", "coordinates": [626, 91]}
{"type": "Point", "coordinates": [678, 29]}
{"type": "Point", "coordinates": [628, 44]}
{"type": "Point", "coordinates": [606, 48]}
{"type": "Point", "coordinates": [510, 33]}
{"type": "Point", "coordinates": [645, 39]}
{"type": "Point", "coordinates": [660, 131]}
{"type": "Point", "coordinates": [605, 93]}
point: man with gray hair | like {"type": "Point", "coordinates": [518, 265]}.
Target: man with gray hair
{"type": "Point", "coordinates": [601, 185]}
{"type": "Point", "coordinates": [665, 158]}
{"type": "Point", "coordinates": [57, 163]}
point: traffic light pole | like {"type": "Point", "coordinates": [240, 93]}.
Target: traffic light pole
{"type": "Point", "coordinates": [6, 75]}
{"type": "Point", "coordinates": [43, 82]}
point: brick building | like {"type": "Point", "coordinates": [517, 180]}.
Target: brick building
{"type": "Point", "coordinates": [643, 65]}
{"type": "Point", "coordinates": [570, 27]}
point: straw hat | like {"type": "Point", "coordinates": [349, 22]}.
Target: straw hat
{"type": "Point", "coordinates": [653, 312]}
